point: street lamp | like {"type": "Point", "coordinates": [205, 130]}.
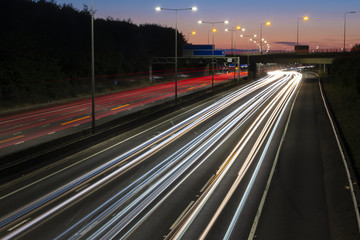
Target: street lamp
{"type": "Point", "coordinates": [297, 35]}
{"type": "Point", "coordinates": [345, 27]}
{"type": "Point", "coordinates": [92, 71]}
{"type": "Point", "coordinates": [188, 35]}
{"type": "Point", "coordinates": [213, 46]}
{"type": "Point", "coordinates": [176, 60]}
{"type": "Point", "coordinates": [232, 30]}
{"type": "Point", "coordinates": [267, 24]}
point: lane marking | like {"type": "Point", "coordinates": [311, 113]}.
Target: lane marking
{"type": "Point", "coordinates": [342, 156]}
{"type": "Point", "coordinates": [79, 119]}
{"type": "Point", "coordinates": [181, 215]}
{"type": "Point", "coordinates": [207, 183]}
{"type": "Point", "coordinates": [19, 224]}
{"type": "Point", "coordinates": [93, 155]}
{"type": "Point", "coordinates": [10, 139]}
{"type": "Point", "coordinates": [267, 187]}
{"type": "Point", "coordinates": [120, 107]}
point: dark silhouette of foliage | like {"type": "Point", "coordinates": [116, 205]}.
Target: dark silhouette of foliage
{"type": "Point", "coordinates": [45, 49]}
{"type": "Point", "coordinates": [356, 48]}
{"type": "Point", "coordinates": [345, 72]}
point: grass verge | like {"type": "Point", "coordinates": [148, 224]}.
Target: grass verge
{"type": "Point", "coordinates": [345, 103]}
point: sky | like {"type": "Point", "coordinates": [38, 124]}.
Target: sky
{"type": "Point", "coordinates": [325, 27]}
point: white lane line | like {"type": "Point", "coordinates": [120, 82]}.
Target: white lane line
{"type": "Point", "coordinates": [17, 133]}
{"type": "Point", "coordinates": [207, 183]}
{"type": "Point", "coordinates": [19, 224]}
{"type": "Point", "coordinates": [181, 215]}
{"type": "Point", "coordinates": [262, 202]}
{"type": "Point", "coordinates": [91, 156]}
{"type": "Point", "coordinates": [342, 156]}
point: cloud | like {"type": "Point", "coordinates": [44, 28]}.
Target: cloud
{"type": "Point", "coordinates": [286, 43]}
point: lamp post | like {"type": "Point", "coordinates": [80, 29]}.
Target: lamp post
{"type": "Point", "coordinates": [261, 39]}
{"type": "Point", "coordinates": [92, 71]}
{"type": "Point", "coordinates": [345, 27]}
{"type": "Point", "coordinates": [250, 40]}
{"type": "Point", "coordinates": [232, 30]}
{"type": "Point", "coordinates": [176, 60]}
{"type": "Point", "coordinates": [213, 46]}
{"type": "Point", "coordinates": [297, 35]}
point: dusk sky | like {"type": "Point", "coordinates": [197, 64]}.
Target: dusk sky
{"type": "Point", "coordinates": [325, 28]}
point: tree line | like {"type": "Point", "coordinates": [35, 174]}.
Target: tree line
{"type": "Point", "coordinates": [45, 50]}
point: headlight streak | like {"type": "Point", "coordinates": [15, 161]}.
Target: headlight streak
{"type": "Point", "coordinates": [196, 141]}
{"type": "Point", "coordinates": [182, 180]}
{"type": "Point", "coordinates": [276, 116]}
{"type": "Point", "coordinates": [172, 176]}
{"type": "Point", "coordinates": [285, 103]}
{"type": "Point", "coordinates": [198, 146]}
{"type": "Point", "coordinates": [196, 208]}
{"type": "Point", "coordinates": [196, 119]}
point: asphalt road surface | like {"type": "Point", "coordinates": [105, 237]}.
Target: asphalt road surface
{"type": "Point", "coordinates": [198, 173]}
{"type": "Point", "coordinates": [308, 196]}
{"type": "Point", "coordinates": [30, 127]}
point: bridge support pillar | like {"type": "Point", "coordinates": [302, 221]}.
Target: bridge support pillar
{"type": "Point", "coordinates": [252, 69]}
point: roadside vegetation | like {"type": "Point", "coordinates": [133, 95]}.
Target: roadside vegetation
{"type": "Point", "coordinates": [45, 52]}
{"type": "Point", "coordinates": [343, 92]}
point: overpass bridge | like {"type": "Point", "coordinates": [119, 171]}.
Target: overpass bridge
{"type": "Point", "coordinates": [323, 57]}
{"type": "Point", "coordinates": [320, 58]}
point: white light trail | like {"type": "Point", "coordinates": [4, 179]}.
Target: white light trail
{"type": "Point", "coordinates": [133, 200]}
{"type": "Point", "coordinates": [277, 103]}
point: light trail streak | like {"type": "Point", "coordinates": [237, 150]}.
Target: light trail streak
{"type": "Point", "coordinates": [197, 207]}
{"type": "Point", "coordinates": [100, 232]}
{"type": "Point", "coordinates": [147, 181]}
{"type": "Point", "coordinates": [142, 192]}
{"type": "Point", "coordinates": [197, 119]}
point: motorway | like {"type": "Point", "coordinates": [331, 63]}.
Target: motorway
{"type": "Point", "coordinates": [142, 181]}
{"type": "Point", "coordinates": [24, 129]}
{"type": "Point", "coordinates": [198, 173]}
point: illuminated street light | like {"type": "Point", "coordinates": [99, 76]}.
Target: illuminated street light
{"type": "Point", "coordinates": [213, 45]}
{"type": "Point", "coordinates": [92, 71]}
{"type": "Point", "coordinates": [188, 35]}
{"type": "Point", "coordinates": [232, 30]}
{"type": "Point", "coordinates": [297, 35]}
{"type": "Point", "coordinates": [176, 30]}
{"type": "Point", "coordinates": [345, 27]}
{"type": "Point", "coordinates": [268, 23]}
{"type": "Point", "coordinates": [249, 36]}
